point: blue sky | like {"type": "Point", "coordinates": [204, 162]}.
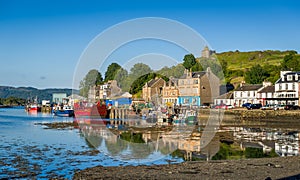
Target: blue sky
{"type": "Point", "coordinates": [41, 41]}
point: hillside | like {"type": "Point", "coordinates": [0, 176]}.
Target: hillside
{"type": "Point", "coordinates": [30, 92]}
{"type": "Point", "coordinates": [239, 62]}
{"type": "Point", "coordinates": [243, 60]}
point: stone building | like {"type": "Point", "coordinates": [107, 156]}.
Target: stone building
{"type": "Point", "coordinates": [206, 53]}
{"type": "Point", "coordinates": [170, 92]}
{"type": "Point", "coordinates": [196, 88]}
{"type": "Point", "coordinates": [104, 91]}
{"type": "Point", "coordinates": [152, 90]}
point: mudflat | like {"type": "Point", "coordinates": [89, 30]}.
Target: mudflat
{"type": "Point", "coordinates": [262, 168]}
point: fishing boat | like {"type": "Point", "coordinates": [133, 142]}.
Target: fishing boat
{"type": "Point", "coordinates": [187, 118]}
{"type": "Point", "coordinates": [66, 111]}
{"type": "Point", "coordinates": [90, 110]}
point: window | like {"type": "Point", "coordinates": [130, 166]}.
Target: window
{"type": "Point", "coordinates": [293, 86]}
{"type": "Point", "coordinates": [296, 77]}
{"type": "Point", "coordinates": [280, 87]}
{"type": "Point", "coordinates": [289, 77]}
{"type": "Point", "coordinates": [196, 81]}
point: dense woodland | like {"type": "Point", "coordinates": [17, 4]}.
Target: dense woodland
{"type": "Point", "coordinates": [231, 67]}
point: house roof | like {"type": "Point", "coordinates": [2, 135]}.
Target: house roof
{"type": "Point", "coordinates": [228, 95]}
{"type": "Point", "coordinates": [249, 87]}
{"type": "Point", "coordinates": [268, 89]}
{"type": "Point", "coordinates": [284, 78]}
{"type": "Point", "coordinates": [152, 82]}
{"type": "Point", "coordinates": [194, 75]}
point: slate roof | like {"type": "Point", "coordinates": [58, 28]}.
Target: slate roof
{"type": "Point", "coordinates": [228, 95]}
{"type": "Point", "coordinates": [268, 89]}
{"type": "Point", "coordinates": [284, 79]}
{"type": "Point", "coordinates": [152, 82]}
{"type": "Point", "coordinates": [249, 87]}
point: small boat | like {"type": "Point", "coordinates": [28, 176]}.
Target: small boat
{"type": "Point", "coordinates": [191, 117]}
{"type": "Point", "coordinates": [66, 111]}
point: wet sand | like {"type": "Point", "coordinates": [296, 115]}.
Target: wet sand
{"type": "Point", "coordinates": [263, 168]}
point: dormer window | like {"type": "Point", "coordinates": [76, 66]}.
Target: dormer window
{"type": "Point", "coordinates": [296, 77]}
{"type": "Point", "coordinates": [289, 77]}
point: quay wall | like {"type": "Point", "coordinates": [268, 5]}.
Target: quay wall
{"type": "Point", "coordinates": [256, 114]}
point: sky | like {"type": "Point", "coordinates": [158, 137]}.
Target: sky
{"type": "Point", "coordinates": [42, 42]}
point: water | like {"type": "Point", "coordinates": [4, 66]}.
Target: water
{"type": "Point", "coordinates": [28, 150]}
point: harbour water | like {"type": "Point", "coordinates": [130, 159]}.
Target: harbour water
{"type": "Point", "coordinates": [30, 150]}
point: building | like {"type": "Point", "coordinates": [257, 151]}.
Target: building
{"type": "Point", "coordinates": [226, 98]}
{"type": "Point", "coordinates": [104, 91]}
{"type": "Point", "coordinates": [267, 94]}
{"type": "Point", "coordinates": [170, 92]}
{"type": "Point", "coordinates": [247, 93]}
{"type": "Point", "coordinates": [152, 90]}
{"type": "Point", "coordinates": [196, 88]}
{"type": "Point", "coordinates": [206, 53]}
{"type": "Point", "coordinates": [287, 88]}
{"type": "Point", "coordinates": [58, 98]}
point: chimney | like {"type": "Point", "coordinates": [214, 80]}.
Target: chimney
{"type": "Point", "coordinates": [242, 83]}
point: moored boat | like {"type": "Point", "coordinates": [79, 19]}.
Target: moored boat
{"type": "Point", "coordinates": [90, 110]}
{"type": "Point", "coordinates": [66, 111]}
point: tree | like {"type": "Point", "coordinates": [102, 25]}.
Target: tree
{"type": "Point", "coordinates": [189, 60]}
{"type": "Point", "coordinates": [291, 62]}
{"type": "Point", "coordinates": [121, 76]}
{"type": "Point", "coordinates": [111, 71]}
{"type": "Point", "coordinates": [92, 78]}
{"type": "Point", "coordinates": [197, 67]}
{"type": "Point", "coordinates": [140, 69]}
{"type": "Point", "coordinates": [256, 75]}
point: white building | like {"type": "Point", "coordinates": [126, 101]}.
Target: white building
{"type": "Point", "coordinates": [247, 93]}
{"type": "Point", "coordinates": [267, 94]}
{"type": "Point", "coordinates": [226, 98]}
{"type": "Point", "coordinates": [287, 88]}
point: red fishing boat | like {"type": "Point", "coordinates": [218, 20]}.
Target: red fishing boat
{"type": "Point", "coordinates": [84, 109]}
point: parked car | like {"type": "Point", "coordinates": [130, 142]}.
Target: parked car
{"type": "Point", "coordinates": [245, 105]}
{"type": "Point", "coordinates": [220, 106]}
{"type": "Point", "coordinates": [278, 107]}
{"type": "Point", "coordinates": [254, 106]}
{"type": "Point", "coordinates": [291, 107]}
{"type": "Point", "coordinates": [203, 106]}
{"type": "Point", "coordinates": [229, 106]}
{"type": "Point", "coordinates": [268, 107]}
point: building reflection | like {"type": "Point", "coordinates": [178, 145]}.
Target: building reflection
{"type": "Point", "coordinates": [285, 142]}
{"type": "Point", "coordinates": [157, 142]}
{"type": "Point", "coordinates": [126, 142]}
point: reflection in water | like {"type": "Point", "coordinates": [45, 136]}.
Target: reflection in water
{"type": "Point", "coordinates": [132, 143]}
{"type": "Point", "coordinates": [144, 144]}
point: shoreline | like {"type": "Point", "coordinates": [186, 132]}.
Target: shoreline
{"type": "Point", "coordinates": [262, 168]}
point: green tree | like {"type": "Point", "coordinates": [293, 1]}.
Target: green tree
{"type": "Point", "coordinates": [189, 61]}
{"type": "Point", "coordinates": [291, 62]}
{"type": "Point", "coordinates": [112, 71]}
{"type": "Point", "coordinates": [140, 69]}
{"type": "Point", "coordinates": [92, 78]}
{"type": "Point", "coordinates": [256, 75]}
{"type": "Point", "coordinates": [121, 76]}
{"type": "Point", "coordinates": [197, 67]}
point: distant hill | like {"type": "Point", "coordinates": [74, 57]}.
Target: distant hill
{"type": "Point", "coordinates": [31, 93]}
